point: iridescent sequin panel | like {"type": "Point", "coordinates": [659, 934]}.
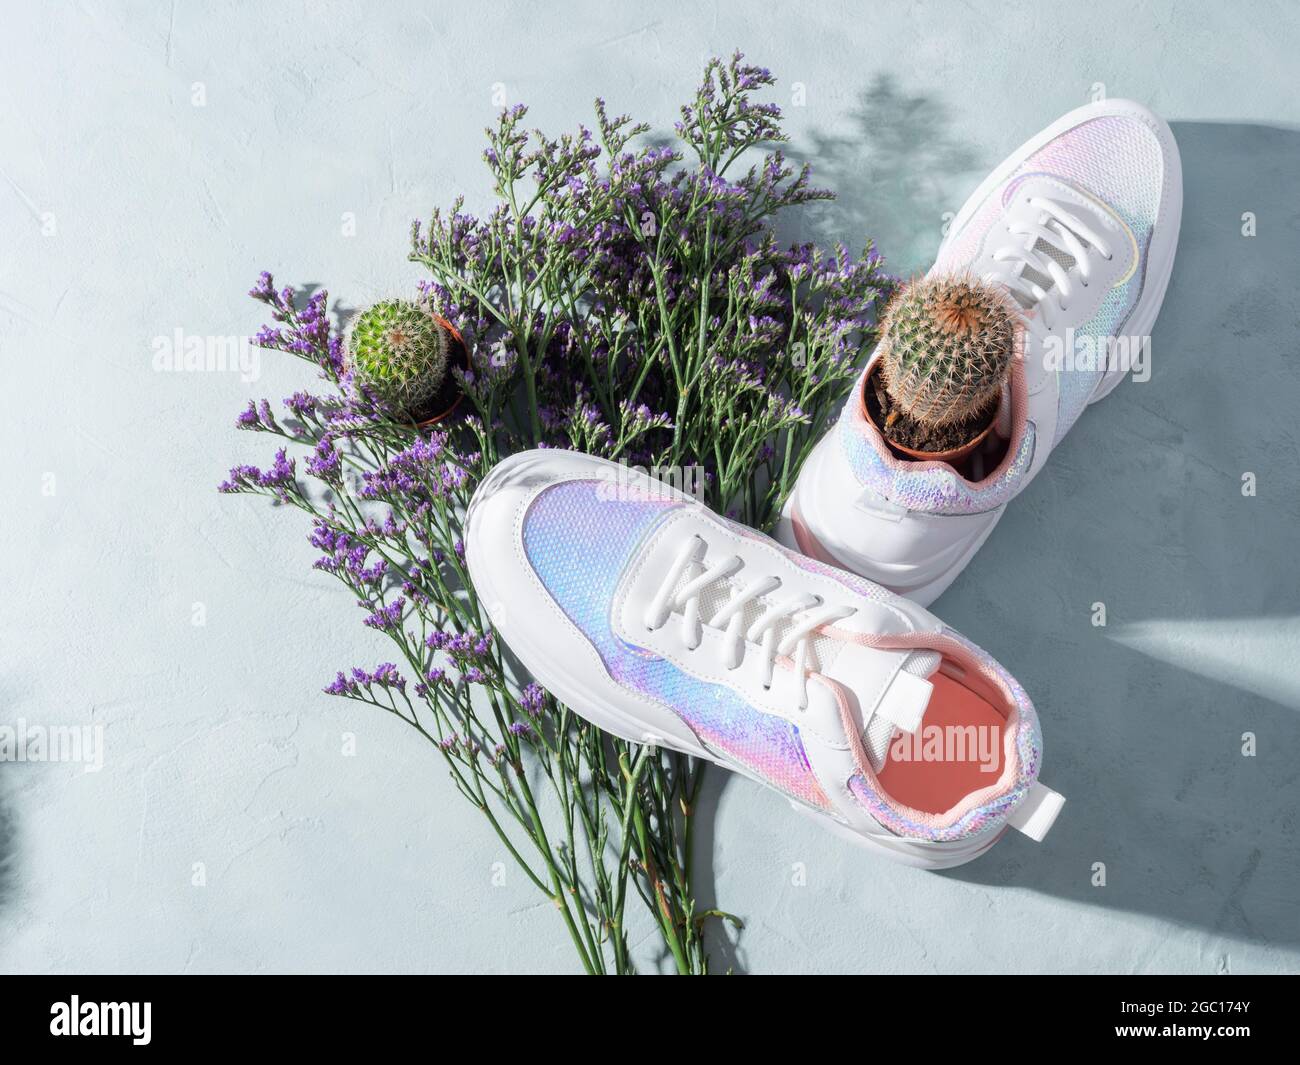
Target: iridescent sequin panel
{"type": "Point", "coordinates": [932, 488]}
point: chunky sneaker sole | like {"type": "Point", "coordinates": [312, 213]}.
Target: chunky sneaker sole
{"type": "Point", "coordinates": [1090, 206]}
{"type": "Point", "coordinates": [662, 623]}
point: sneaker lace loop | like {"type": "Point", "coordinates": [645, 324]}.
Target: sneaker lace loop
{"type": "Point", "coordinates": [1063, 231]}
{"type": "Point", "coordinates": [729, 618]}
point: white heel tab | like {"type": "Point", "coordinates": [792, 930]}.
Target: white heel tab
{"type": "Point", "coordinates": [904, 703]}
{"type": "Point", "coordinates": [1037, 812]}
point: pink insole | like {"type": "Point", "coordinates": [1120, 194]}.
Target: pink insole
{"type": "Point", "coordinates": [958, 750]}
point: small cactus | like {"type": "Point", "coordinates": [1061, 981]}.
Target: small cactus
{"type": "Point", "coordinates": [946, 348]}
{"type": "Point", "coordinates": [399, 351]}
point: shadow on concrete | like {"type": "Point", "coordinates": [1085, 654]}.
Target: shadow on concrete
{"type": "Point", "coordinates": [895, 173]}
{"type": "Point", "coordinates": [8, 852]}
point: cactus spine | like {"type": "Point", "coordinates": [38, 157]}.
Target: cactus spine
{"type": "Point", "coordinates": [947, 345]}
{"type": "Point", "coordinates": [399, 351]}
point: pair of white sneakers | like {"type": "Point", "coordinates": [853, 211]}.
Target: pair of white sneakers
{"type": "Point", "coordinates": [814, 667]}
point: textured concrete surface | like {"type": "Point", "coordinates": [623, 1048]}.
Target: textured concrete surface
{"type": "Point", "coordinates": [128, 211]}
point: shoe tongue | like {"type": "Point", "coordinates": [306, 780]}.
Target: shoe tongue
{"type": "Point", "coordinates": [1049, 249]}
{"type": "Point", "coordinates": [888, 692]}
{"type": "Point", "coordinates": [896, 680]}
{"type": "Point", "coordinates": [1042, 280]}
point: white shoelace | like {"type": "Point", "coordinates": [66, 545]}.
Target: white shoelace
{"type": "Point", "coordinates": [728, 618]}
{"type": "Point", "coordinates": [1062, 231]}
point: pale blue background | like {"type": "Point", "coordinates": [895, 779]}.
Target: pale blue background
{"type": "Point", "coordinates": [220, 751]}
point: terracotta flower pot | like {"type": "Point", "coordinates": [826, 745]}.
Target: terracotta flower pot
{"type": "Point", "coordinates": [450, 395]}
{"type": "Point", "coordinates": [951, 456]}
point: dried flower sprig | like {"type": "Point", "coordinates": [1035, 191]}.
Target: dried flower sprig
{"type": "Point", "coordinates": [623, 301]}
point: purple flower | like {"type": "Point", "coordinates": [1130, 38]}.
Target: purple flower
{"type": "Point", "coordinates": [387, 617]}
{"type": "Point", "coordinates": [532, 699]}
{"type": "Point", "coordinates": [301, 331]}
{"type": "Point", "coordinates": [302, 404]}
{"type": "Point", "coordinates": [264, 289]}
{"type": "Point", "coordinates": [343, 685]}
{"type": "Point", "coordinates": [325, 462]}
{"type": "Point", "coordinates": [241, 479]}
{"type": "Point", "coordinates": [387, 676]}
{"type": "Point", "coordinates": [280, 473]}
{"type": "Point", "coordinates": [423, 471]}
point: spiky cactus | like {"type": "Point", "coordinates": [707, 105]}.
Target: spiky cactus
{"type": "Point", "coordinates": [399, 351]}
{"type": "Point", "coordinates": [946, 347]}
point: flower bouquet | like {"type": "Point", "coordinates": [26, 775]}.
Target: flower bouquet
{"type": "Point", "coordinates": [623, 297]}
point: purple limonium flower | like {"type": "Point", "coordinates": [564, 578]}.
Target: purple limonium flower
{"type": "Point", "coordinates": [325, 462]}
{"type": "Point", "coordinates": [387, 675]}
{"type": "Point", "coordinates": [343, 685]}
{"type": "Point", "coordinates": [280, 473]}
{"type": "Point", "coordinates": [372, 574]}
{"type": "Point", "coordinates": [302, 404]}
{"type": "Point", "coordinates": [264, 288]}
{"type": "Point", "coordinates": [241, 479]}
{"type": "Point", "coordinates": [387, 617]}
{"type": "Point", "coordinates": [532, 699]}
{"type": "Point", "coordinates": [421, 471]}
{"type": "Point", "coordinates": [621, 353]}
{"type": "Point", "coordinates": [248, 418]}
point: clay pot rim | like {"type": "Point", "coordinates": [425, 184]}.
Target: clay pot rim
{"type": "Point", "coordinates": [425, 423]}
{"type": "Point", "coordinates": [949, 456]}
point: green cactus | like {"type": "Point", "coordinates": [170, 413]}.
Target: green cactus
{"type": "Point", "coordinates": [399, 351]}
{"type": "Point", "coordinates": [946, 348]}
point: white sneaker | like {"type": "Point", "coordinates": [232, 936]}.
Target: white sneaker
{"type": "Point", "coordinates": [1080, 224]}
{"type": "Point", "coordinates": [663, 623]}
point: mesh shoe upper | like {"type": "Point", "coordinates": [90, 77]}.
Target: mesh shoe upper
{"type": "Point", "coordinates": [1116, 159]}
